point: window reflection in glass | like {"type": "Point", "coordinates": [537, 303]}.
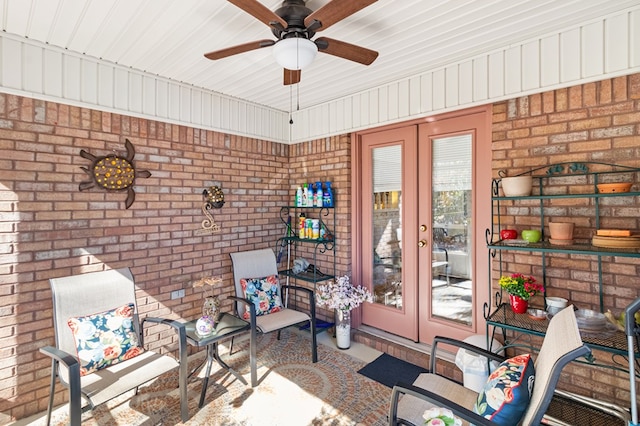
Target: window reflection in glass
{"type": "Point", "coordinates": [387, 225]}
{"type": "Point", "coordinates": [452, 229]}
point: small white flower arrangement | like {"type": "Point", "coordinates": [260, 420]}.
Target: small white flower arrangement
{"type": "Point", "coordinates": [440, 417]}
{"type": "Point", "coordinates": [342, 295]}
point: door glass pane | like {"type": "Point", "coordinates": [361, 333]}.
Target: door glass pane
{"type": "Point", "coordinates": [387, 225]}
{"type": "Point", "coordinates": [452, 229]}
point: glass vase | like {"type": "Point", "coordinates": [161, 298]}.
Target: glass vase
{"type": "Point", "coordinates": [343, 329]}
{"type": "Point", "coordinates": [211, 308]}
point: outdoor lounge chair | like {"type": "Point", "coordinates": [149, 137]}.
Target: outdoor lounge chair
{"type": "Point", "coordinates": [95, 301]}
{"type": "Point", "coordinates": [562, 344]}
{"type": "Point", "coordinates": [256, 266]}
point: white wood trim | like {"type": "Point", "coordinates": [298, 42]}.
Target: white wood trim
{"type": "Point", "coordinates": [33, 69]}
{"type": "Point", "coordinates": [595, 50]}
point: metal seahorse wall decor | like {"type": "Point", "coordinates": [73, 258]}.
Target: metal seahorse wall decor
{"type": "Point", "coordinates": [113, 172]}
{"type": "Point", "coordinates": [213, 198]}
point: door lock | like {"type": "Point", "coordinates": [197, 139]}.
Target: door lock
{"type": "Point", "coordinates": [422, 243]}
{"type": "Point", "coordinates": [423, 228]}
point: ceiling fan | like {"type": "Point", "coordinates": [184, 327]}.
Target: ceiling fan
{"type": "Point", "coordinates": [294, 25]}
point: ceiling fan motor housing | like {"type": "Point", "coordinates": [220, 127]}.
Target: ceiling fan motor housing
{"type": "Point", "coordinates": [294, 13]}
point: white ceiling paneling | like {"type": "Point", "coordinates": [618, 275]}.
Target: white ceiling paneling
{"type": "Point", "coordinates": [435, 48]}
{"type": "Point", "coordinates": [168, 38]}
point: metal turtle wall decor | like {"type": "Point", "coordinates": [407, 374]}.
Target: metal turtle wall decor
{"type": "Point", "coordinates": [113, 172]}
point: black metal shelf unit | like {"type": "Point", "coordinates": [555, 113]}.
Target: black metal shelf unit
{"type": "Point", "coordinates": [500, 315]}
{"type": "Point", "coordinates": [318, 246]}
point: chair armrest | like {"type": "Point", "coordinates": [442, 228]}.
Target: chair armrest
{"type": "Point", "coordinates": [178, 326]}
{"type": "Point", "coordinates": [73, 376]}
{"type": "Point", "coordinates": [172, 323]}
{"type": "Point", "coordinates": [461, 345]}
{"type": "Point", "coordinates": [70, 361]}
{"type": "Point", "coordinates": [439, 401]}
{"type": "Point", "coordinates": [310, 294]}
{"type": "Point", "coordinates": [252, 308]}
{"type": "Point", "coordinates": [298, 288]}
{"type": "Point", "coordinates": [182, 358]}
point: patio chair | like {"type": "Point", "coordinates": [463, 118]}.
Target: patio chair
{"type": "Point", "coordinates": [439, 245]}
{"type": "Point", "coordinates": [562, 344]}
{"type": "Point", "coordinates": [256, 269]}
{"type": "Point", "coordinates": [96, 304]}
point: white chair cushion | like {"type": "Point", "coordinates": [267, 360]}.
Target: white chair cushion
{"type": "Point", "coordinates": [108, 383]}
{"type": "Point", "coordinates": [281, 319]}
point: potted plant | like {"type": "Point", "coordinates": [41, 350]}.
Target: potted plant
{"type": "Point", "coordinates": [520, 288]}
{"type": "Point", "coordinates": [342, 296]}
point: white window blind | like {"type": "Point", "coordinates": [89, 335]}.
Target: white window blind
{"type": "Point", "coordinates": [452, 163]}
{"type": "Point", "coordinates": [387, 169]}
{"type": "Point", "coordinates": [451, 169]}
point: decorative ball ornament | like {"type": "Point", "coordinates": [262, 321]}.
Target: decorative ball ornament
{"type": "Point", "coordinates": [205, 325]}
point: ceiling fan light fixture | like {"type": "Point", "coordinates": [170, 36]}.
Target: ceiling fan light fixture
{"type": "Point", "coordinates": [294, 53]}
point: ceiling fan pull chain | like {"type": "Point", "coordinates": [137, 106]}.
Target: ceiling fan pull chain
{"type": "Point", "coordinates": [290, 104]}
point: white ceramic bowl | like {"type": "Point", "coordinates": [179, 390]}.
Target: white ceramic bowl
{"type": "Point", "coordinates": [517, 186]}
{"type": "Point", "coordinates": [556, 304]}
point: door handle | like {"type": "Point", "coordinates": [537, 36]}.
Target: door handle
{"type": "Point", "coordinates": [422, 243]}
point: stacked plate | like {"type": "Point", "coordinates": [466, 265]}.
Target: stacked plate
{"type": "Point", "coordinates": [632, 241]}
{"type": "Point", "coordinates": [591, 320]}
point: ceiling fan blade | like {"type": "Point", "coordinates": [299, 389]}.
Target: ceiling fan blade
{"type": "Point", "coordinates": [346, 50]}
{"type": "Point", "coordinates": [334, 11]}
{"type": "Point", "coordinates": [291, 76]}
{"type": "Point", "coordinates": [241, 48]}
{"type": "Point", "coordinates": [259, 11]}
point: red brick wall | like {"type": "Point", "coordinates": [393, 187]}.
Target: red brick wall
{"type": "Point", "coordinates": [49, 228]}
{"type": "Point", "coordinates": [327, 159]}
{"type": "Point", "coordinates": [593, 122]}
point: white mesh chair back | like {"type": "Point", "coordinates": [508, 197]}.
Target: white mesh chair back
{"type": "Point", "coordinates": [252, 264]}
{"type": "Point", "coordinates": [561, 345]}
{"type": "Point", "coordinates": [81, 295]}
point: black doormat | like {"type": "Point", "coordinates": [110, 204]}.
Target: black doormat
{"type": "Point", "coordinates": [390, 370]}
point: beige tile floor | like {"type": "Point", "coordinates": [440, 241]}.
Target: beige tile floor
{"type": "Point", "coordinates": [356, 350]}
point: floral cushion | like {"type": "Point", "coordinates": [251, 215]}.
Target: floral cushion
{"type": "Point", "coordinates": [506, 395]}
{"type": "Point", "coordinates": [263, 293]}
{"type": "Point", "coordinates": [105, 338]}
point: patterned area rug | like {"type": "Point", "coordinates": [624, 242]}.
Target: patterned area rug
{"type": "Point", "coordinates": [292, 391]}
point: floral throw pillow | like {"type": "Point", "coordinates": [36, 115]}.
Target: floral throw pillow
{"type": "Point", "coordinates": [506, 395]}
{"type": "Point", "coordinates": [105, 338]}
{"type": "Point", "coordinates": [263, 293]}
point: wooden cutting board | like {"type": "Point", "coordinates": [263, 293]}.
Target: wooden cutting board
{"type": "Point", "coordinates": [614, 232]}
{"type": "Point", "coordinates": [632, 241]}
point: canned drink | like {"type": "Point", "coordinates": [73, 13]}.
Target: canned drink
{"type": "Point", "coordinates": [315, 229]}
